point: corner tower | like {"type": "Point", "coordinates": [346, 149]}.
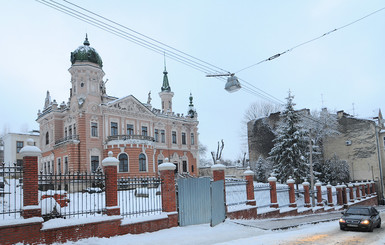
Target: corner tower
{"type": "Point", "coordinates": [166, 94]}
{"type": "Point", "coordinates": [86, 76]}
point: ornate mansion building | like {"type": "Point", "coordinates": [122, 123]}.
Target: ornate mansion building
{"type": "Point", "coordinates": [77, 135]}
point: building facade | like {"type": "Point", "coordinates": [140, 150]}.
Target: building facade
{"type": "Point", "coordinates": [12, 144]}
{"type": "Point", "coordinates": [77, 135]}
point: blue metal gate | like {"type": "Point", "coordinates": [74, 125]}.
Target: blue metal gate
{"type": "Point", "coordinates": [196, 197]}
{"type": "Point", "coordinates": [218, 210]}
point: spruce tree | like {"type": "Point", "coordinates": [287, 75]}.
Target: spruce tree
{"type": "Point", "coordinates": [290, 146]}
{"type": "Point", "coordinates": [260, 170]}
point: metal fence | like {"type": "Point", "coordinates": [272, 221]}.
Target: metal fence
{"type": "Point", "coordinates": [262, 195]}
{"type": "Point", "coordinates": [283, 196]}
{"type": "Point", "coordinates": [71, 195]}
{"type": "Point", "coordinates": [139, 196]}
{"type": "Point", "coordinates": [11, 191]}
{"type": "Point", "coordinates": [235, 193]}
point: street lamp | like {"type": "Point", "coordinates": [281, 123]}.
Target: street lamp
{"type": "Point", "coordinates": [232, 84]}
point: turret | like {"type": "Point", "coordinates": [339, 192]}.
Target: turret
{"type": "Point", "coordinates": [166, 94]}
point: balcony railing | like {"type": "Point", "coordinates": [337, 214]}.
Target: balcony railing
{"type": "Point", "coordinates": [130, 137]}
{"type": "Point", "coordinates": [65, 139]}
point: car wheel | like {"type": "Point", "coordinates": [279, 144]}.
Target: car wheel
{"type": "Point", "coordinates": [379, 224]}
{"type": "Point", "coordinates": [342, 228]}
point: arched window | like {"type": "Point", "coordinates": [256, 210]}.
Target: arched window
{"type": "Point", "coordinates": [47, 138]}
{"type": "Point", "coordinates": [123, 162]}
{"type": "Point", "coordinates": [142, 162]}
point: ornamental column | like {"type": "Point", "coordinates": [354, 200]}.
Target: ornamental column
{"type": "Point", "coordinates": [330, 194]}
{"type": "Point", "coordinates": [319, 193]}
{"type": "Point", "coordinates": [358, 193]}
{"type": "Point", "coordinates": [344, 197]}
{"type": "Point", "coordinates": [373, 187]}
{"type": "Point", "coordinates": [250, 187]}
{"type": "Point", "coordinates": [307, 194]}
{"type": "Point", "coordinates": [110, 165]}
{"type": "Point", "coordinates": [363, 190]}
{"type": "Point", "coordinates": [273, 191]}
{"type": "Point", "coordinates": [30, 154]}
{"type": "Point", "coordinates": [351, 194]}
{"type": "Point", "coordinates": [368, 190]}
{"type": "Point", "coordinates": [339, 195]}
{"type": "Point", "coordinates": [290, 182]}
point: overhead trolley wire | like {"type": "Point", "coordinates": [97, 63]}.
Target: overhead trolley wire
{"type": "Point", "coordinates": [311, 40]}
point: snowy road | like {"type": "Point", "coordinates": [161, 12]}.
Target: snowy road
{"type": "Point", "coordinates": [230, 233]}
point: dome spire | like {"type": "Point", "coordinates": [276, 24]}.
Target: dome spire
{"type": "Point", "coordinates": [191, 110]}
{"type": "Point", "coordinates": [86, 42]}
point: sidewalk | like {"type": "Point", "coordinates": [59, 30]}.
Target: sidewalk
{"type": "Point", "coordinates": [293, 221]}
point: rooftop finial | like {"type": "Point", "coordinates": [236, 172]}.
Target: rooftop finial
{"type": "Point", "coordinates": [165, 70]}
{"type": "Point", "coordinates": [86, 42]}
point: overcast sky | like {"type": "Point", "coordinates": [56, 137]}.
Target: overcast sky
{"type": "Point", "coordinates": [343, 68]}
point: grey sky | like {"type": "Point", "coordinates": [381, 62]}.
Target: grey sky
{"type": "Point", "coordinates": [345, 67]}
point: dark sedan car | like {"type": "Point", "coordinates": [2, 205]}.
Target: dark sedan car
{"type": "Point", "coordinates": [360, 217]}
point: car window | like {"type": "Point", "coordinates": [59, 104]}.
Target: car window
{"type": "Point", "coordinates": [357, 211]}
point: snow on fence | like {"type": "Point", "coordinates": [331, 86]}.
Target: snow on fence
{"type": "Point", "coordinates": [283, 195]}
{"type": "Point", "coordinates": [11, 191]}
{"type": "Point", "coordinates": [139, 196]}
{"type": "Point", "coordinates": [71, 195]}
{"type": "Point", "coordinates": [235, 193]}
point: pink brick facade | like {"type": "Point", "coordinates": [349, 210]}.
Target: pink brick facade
{"type": "Point", "coordinates": [76, 136]}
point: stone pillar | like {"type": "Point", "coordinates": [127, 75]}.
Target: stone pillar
{"type": "Point", "coordinates": [330, 195]}
{"type": "Point", "coordinates": [363, 190]}
{"type": "Point", "coordinates": [290, 182]}
{"type": "Point", "coordinates": [373, 187]}
{"type": "Point", "coordinates": [319, 193]}
{"type": "Point", "coordinates": [110, 165]}
{"type": "Point", "coordinates": [250, 187]}
{"type": "Point", "coordinates": [351, 194]}
{"type": "Point", "coordinates": [168, 186]}
{"type": "Point", "coordinates": [339, 195]}
{"type": "Point", "coordinates": [219, 174]}
{"type": "Point", "coordinates": [358, 192]}
{"type": "Point", "coordinates": [273, 191]}
{"type": "Point", "coordinates": [307, 194]}
{"type": "Point", "coordinates": [344, 197]}
{"type": "Point", "coordinates": [30, 154]}
{"type": "Point", "coordinates": [368, 190]}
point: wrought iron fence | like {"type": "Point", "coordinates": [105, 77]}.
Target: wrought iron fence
{"type": "Point", "coordinates": [283, 195]}
{"type": "Point", "coordinates": [235, 193]}
{"type": "Point", "coordinates": [262, 195]}
{"type": "Point", "coordinates": [71, 195]}
{"type": "Point", "coordinates": [11, 191]}
{"type": "Point", "coordinates": [139, 196]}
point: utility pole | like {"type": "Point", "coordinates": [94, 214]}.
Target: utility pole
{"type": "Point", "coordinates": [311, 170]}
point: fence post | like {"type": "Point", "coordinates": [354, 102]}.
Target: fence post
{"type": "Point", "coordinates": [30, 154]}
{"type": "Point", "coordinates": [273, 191]}
{"type": "Point", "coordinates": [167, 175]}
{"type": "Point", "coordinates": [250, 187]}
{"type": "Point", "coordinates": [363, 190]}
{"type": "Point", "coordinates": [319, 193]}
{"type": "Point", "coordinates": [339, 195]}
{"type": "Point", "coordinates": [373, 187]}
{"type": "Point", "coordinates": [307, 194]}
{"type": "Point", "coordinates": [368, 190]}
{"type": "Point", "coordinates": [110, 165]}
{"type": "Point", "coordinates": [344, 197]}
{"type": "Point", "coordinates": [330, 195]}
{"type": "Point", "coordinates": [290, 183]}
{"type": "Point", "coordinates": [351, 194]}
{"type": "Point", "coordinates": [358, 193]}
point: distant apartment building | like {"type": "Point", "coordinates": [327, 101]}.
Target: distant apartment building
{"type": "Point", "coordinates": [12, 144]}
{"type": "Point", "coordinates": [77, 135]}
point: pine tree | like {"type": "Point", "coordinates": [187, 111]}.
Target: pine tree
{"type": "Point", "coordinates": [289, 151]}
{"type": "Point", "coordinates": [260, 170]}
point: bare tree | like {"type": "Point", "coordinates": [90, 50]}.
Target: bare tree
{"type": "Point", "coordinates": [256, 110]}
{"type": "Point", "coordinates": [218, 155]}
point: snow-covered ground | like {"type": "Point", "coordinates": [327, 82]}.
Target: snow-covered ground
{"type": "Point", "coordinates": [230, 233]}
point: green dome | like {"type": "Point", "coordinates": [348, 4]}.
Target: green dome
{"type": "Point", "coordinates": [86, 53]}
